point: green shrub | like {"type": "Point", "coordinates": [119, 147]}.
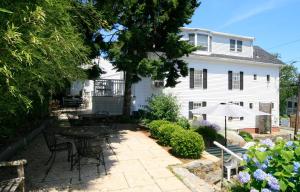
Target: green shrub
{"type": "Point", "coordinates": [165, 133]}
{"type": "Point", "coordinates": [154, 127]}
{"type": "Point", "coordinates": [246, 136]}
{"type": "Point", "coordinates": [183, 122]}
{"type": "Point", "coordinates": [163, 107]}
{"type": "Point", "coordinates": [187, 144]}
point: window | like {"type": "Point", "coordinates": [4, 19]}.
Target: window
{"type": "Point", "coordinates": [251, 105]}
{"type": "Point", "coordinates": [239, 46]}
{"type": "Point", "coordinates": [197, 105]}
{"type": "Point", "coordinates": [295, 105]}
{"type": "Point", "coordinates": [192, 39]}
{"type": "Point", "coordinates": [290, 104]}
{"type": "Point", "coordinates": [268, 78]}
{"type": "Point", "coordinates": [236, 81]}
{"type": "Point", "coordinates": [241, 103]}
{"type": "Point", "coordinates": [236, 45]}
{"type": "Point", "coordinates": [198, 78]}
{"type": "Point", "coordinates": [202, 42]}
{"type": "Point", "coordinates": [255, 77]}
{"type": "Point", "coordinates": [232, 45]}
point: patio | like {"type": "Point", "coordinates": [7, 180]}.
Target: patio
{"type": "Point", "coordinates": [134, 162]}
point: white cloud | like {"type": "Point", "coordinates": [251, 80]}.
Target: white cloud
{"type": "Point", "coordinates": [261, 8]}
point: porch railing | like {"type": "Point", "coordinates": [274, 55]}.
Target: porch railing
{"type": "Point", "coordinates": [109, 87]}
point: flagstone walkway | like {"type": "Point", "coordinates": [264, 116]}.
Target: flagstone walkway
{"type": "Point", "coordinates": [135, 163]}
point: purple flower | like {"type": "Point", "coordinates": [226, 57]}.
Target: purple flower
{"type": "Point", "coordinates": [254, 190]}
{"type": "Point", "coordinates": [244, 177]}
{"type": "Point", "coordinates": [296, 167]}
{"type": "Point", "coordinates": [246, 158]}
{"type": "Point", "coordinates": [289, 144]}
{"type": "Point", "coordinates": [273, 182]}
{"type": "Point", "coordinates": [265, 190]}
{"type": "Point", "coordinates": [267, 142]}
{"type": "Point", "coordinates": [264, 166]}
{"type": "Point", "coordinates": [259, 175]}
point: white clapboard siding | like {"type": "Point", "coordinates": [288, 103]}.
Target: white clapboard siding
{"type": "Point", "coordinates": [254, 91]}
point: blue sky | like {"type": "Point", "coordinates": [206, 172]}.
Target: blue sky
{"type": "Point", "coordinates": [274, 23]}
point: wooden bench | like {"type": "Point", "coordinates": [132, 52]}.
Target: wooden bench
{"type": "Point", "coordinates": [15, 183]}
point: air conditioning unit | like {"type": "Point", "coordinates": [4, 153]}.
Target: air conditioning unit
{"type": "Point", "coordinates": [158, 83]}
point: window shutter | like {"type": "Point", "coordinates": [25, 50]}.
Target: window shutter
{"type": "Point", "coordinates": [204, 104]}
{"type": "Point", "coordinates": [204, 116]}
{"type": "Point", "coordinates": [241, 80]}
{"type": "Point", "coordinates": [192, 77]}
{"type": "Point", "coordinates": [204, 78]}
{"type": "Point", "coordinates": [242, 103]}
{"type": "Point", "coordinates": [190, 108]}
{"type": "Point", "coordinates": [230, 80]}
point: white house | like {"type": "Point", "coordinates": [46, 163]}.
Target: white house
{"type": "Point", "coordinates": [227, 68]}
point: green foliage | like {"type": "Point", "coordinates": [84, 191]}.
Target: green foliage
{"type": "Point", "coordinates": [145, 27]}
{"type": "Point", "coordinates": [279, 164]}
{"type": "Point", "coordinates": [183, 122]}
{"type": "Point", "coordinates": [246, 136]}
{"type": "Point", "coordinates": [288, 82]}
{"type": "Point", "coordinates": [187, 144]}
{"type": "Point", "coordinates": [154, 127]}
{"type": "Point", "coordinates": [163, 107]}
{"type": "Point", "coordinates": [43, 43]}
{"type": "Point", "coordinates": [165, 133]}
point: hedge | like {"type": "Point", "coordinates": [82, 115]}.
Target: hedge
{"type": "Point", "coordinates": [165, 133]}
{"type": "Point", "coordinates": [187, 144]}
{"type": "Point", "coordinates": [154, 127]}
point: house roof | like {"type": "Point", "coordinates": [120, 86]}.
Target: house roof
{"type": "Point", "coordinates": [259, 55]}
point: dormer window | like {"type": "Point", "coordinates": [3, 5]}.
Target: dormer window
{"type": "Point", "coordinates": [192, 38]}
{"type": "Point", "coordinates": [202, 42]}
{"type": "Point", "coordinates": [236, 45]}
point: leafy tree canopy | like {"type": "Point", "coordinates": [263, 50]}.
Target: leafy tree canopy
{"type": "Point", "coordinates": [146, 40]}
{"type": "Point", "coordinates": [288, 84]}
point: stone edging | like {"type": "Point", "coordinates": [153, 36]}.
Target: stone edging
{"type": "Point", "coordinates": [194, 183]}
{"type": "Point", "coordinates": [23, 142]}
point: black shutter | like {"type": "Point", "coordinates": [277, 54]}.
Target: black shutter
{"type": "Point", "coordinates": [191, 77]}
{"type": "Point", "coordinates": [241, 80]}
{"type": "Point", "coordinates": [230, 80]}
{"type": "Point", "coordinates": [204, 104]}
{"type": "Point", "coordinates": [242, 103]}
{"type": "Point", "coordinates": [204, 78]}
{"type": "Point", "coordinates": [204, 116]}
{"type": "Point", "coordinates": [190, 108]}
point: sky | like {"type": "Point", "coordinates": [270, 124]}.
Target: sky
{"type": "Point", "coordinates": [275, 24]}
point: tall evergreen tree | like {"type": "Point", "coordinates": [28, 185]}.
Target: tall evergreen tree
{"type": "Point", "coordinates": [146, 40]}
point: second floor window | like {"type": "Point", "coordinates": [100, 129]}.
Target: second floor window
{"type": "Point", "coordinates": [202, 42]}
{"type": "Point", "coordinates": [198, 78]}
{"type": "Point", "coordinates": [235, 80]}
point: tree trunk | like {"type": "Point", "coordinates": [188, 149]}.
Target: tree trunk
{"type": "Point", "coordinates": [127, 94]}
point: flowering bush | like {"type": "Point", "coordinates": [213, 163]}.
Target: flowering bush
{"type": "Point", "coordinates": [271, 167]}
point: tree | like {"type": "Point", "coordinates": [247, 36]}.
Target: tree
{"type": "Point", "coordinates": [43, 43]}
{"type": "Point", "coordinates": [288, 85]}
{"type": "Point", "coordinates": [146, 40]}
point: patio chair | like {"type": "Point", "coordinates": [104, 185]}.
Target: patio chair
{"type": "Point", "coordinates": [232, 163]}
{"type": "Point", "coordinates": [56, 143]}
{"type": "Point", "coordinates": [89, 148]}
{"type": "Point", "coordinates": [11, 185]}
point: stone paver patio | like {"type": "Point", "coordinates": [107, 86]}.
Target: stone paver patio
{"type": "Point", "coordinates": [135, 163]}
